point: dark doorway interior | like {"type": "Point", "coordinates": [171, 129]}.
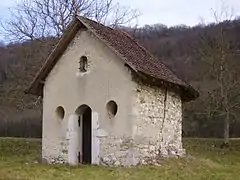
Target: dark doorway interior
{"type": "Point", "coordinates": [87, 136]}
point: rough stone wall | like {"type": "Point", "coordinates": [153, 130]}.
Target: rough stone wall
{"type": "Point", "coordinates": [157, 130]}
{"type": "Point", "coordinates": [61, 153]}
{"type": "Point", "coordinates": [116, 151]}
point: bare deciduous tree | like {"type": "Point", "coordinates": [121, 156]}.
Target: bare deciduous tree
{"type": "Point", "coordinates": [34, 19]}
{"type": "Point", "coordinates": [219, 53]}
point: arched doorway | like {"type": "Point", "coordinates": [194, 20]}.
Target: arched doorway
{"type": "Point", "coordinates": [84, 113]}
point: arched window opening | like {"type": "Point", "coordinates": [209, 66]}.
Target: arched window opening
{"type": "Point", "coordinates": [112, 109]}
{"type": "Point", "coordinates": [83, 64]}
{"type": "Point", "coordinates": [60, 112]}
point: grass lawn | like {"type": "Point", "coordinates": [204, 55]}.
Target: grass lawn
{"type": "Point", "coordinates": [18, 160]}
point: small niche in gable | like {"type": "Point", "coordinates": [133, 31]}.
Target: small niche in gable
{"type": "Point", "coordinates": [83, 64]}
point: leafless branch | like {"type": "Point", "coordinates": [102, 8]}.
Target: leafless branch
{"type": "Point", "coordinates": [36, 19]}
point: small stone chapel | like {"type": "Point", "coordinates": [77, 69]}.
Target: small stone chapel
{"type": "Point", "coordinates": [107, 100]}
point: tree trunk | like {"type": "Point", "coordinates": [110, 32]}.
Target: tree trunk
{"type": "Point", "coordinates": [226, 129]}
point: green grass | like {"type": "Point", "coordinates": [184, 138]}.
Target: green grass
{"type": "Point", "coordinates": [18, 159]}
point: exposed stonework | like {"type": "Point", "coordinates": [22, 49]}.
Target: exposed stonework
{"type": "Point", "coordinates": [157, 124]}
{"type": "Point", "coordinates": [116, 151]}
{"type": "Point", "coordinates": [59, 157]}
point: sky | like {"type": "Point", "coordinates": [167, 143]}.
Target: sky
{"type": "Point", "coordinates": [168, 12]}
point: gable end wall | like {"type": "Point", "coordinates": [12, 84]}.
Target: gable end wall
{"type": "Point", "coordinates": [107, 79]}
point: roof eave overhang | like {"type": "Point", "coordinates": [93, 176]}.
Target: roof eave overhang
{"type": "Point", "coordinates": [187, 92]}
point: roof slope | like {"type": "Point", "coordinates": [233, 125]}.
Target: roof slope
{"type": "Point", "coordinates": [133, 54]}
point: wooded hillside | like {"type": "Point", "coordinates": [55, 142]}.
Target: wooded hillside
{"type": "Point", "coordinates": [188, 51]}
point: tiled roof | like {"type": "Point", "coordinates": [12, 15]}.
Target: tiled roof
{"type": "Point", "coordinates": [136, 56]}
{"type": "Point", "coordinates": [133, 54]}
